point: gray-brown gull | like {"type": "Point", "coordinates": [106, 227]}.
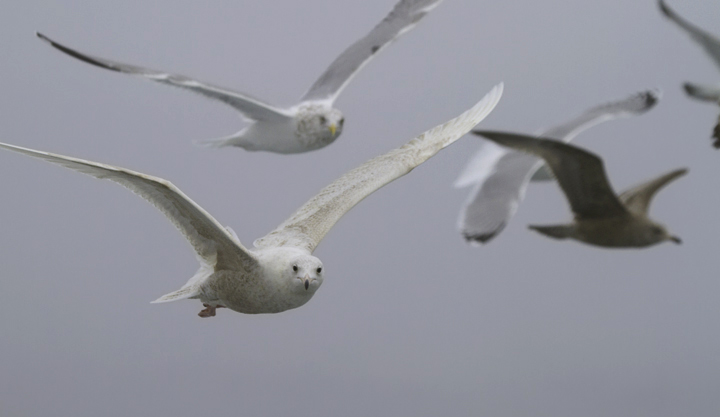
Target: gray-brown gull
{"type": "Point", "coordinates": [600, 217]}
{"type": "Point", "coordinates": [311, 124]}
{"type": "Point", "coordinates": [500, 176]}
{"type": "Point", "coordinates": [711, 45]}
{"type": "Point", "coordinates": [279, 272]}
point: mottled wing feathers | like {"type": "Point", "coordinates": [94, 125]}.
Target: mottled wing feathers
{"type": "Point", "coordinates": [252, 108]}
{"type": "Point", "coordinates": [580, 174]}
{"type": "Point", "coordinates": [403, 17]}
{"type": "Point", "coordinates": [707, 41]}
{"type": "Point", "coordinates": [309, 224]}
{"type": "Point", "coordinates": [213, 244]}
{"type": "Point", "coordinates": [638, 198]}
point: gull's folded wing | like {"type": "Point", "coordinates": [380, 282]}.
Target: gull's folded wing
{"type": "Point", "coordinates": [250, 107]}
{"type": "Point", "coordinates": [403, 17]}
{"type": "Point", "coordinates": [213, 244]}
{"type": "Point", "coordinates": [309, 224]}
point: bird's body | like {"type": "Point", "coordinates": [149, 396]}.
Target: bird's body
{"type": "Point", "coordinates": [601, 218]}
{"type": "Point", "coordinates": [624, 231]}
{"type": "Point", "coordinates": [279, 273]}
{"type": "Point", "coordinates": [309, 125]}
{"type": "Point", "coordinates": [264, 288]}
{"type": "Point", "coordinates": [305, 127]}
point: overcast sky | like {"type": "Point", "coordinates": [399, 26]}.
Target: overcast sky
{"type": "Point", "coordinates": [410, 321]}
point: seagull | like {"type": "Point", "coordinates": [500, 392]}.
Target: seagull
{"type": "Point", "coordinates": [279, 272]}
{"type": "Point", "coordinates": [601, 217]}
{"type": "Point", "coordinates": [309, 125]}
{"type": "Point", "coordinates": [500, 176]}
{"type": "Point", "coordinates": [711, 45]}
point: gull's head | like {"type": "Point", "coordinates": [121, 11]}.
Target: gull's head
{"type": "Point", "coordinates": [319, 125]}
{"type": "Point", "coordinates": [658, 233]}
{"type": "Point", "coordinates": [305, 273]}
{"type": "Point", "coordinates": [330, 121]}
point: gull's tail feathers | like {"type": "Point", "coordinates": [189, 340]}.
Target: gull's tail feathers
{"type": "Point", "coordinates": [560, 231]}
{"type": "Point", "coordinates": [193, 288]}
{"type": "Point", "coordinates": [181, 294]}
{"type": "Point", "coordinates": [236, 139]}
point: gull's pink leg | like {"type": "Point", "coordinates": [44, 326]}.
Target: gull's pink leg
{"type": "Point", "coordinates": [208, 312]}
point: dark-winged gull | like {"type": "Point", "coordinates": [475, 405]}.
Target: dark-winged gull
{"type": "Point", "coordinates": [601, 217]}
{"type": "Point", "coordinates": [279, 273]}
{"type": "Point", "coordinates": [711, 45]}
{"type": "Point", "coordinates": [311, 124]}
{"type": "Point", "coordinates": [500, 176]}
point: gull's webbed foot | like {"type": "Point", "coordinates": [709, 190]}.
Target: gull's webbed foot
{"type": "Point", "coordinates": [209, 310]}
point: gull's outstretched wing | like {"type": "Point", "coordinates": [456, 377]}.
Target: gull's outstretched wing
{"type": "Point", "coordinates": [403, 17]}
{"type": "Point", "coordinates": [495, 199]}
{"type": "Point", "coordinates": [502, 176]}
{"type": "Point", "coordinates": [581, 174]}
{"type": "Point", "coordinates": [637, 199]}
{"type": "Point", "coordinates": [708, 42]}
{"type": "Point", "coordinates": [250, 107]}
{"type": "Point", "coordinates": [212, 242]}
{"type": "Point", "coordinates": [309, 224]}
{"type": "Point", "coordinates": [634, 105]}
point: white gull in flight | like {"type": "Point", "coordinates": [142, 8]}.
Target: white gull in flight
{"type": "Point", "coordinates": [311, 124]}
{"type": "Point", "coordinates": [279, 273]}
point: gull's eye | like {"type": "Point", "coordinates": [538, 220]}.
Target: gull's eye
{"type": "Point", "coordinates": [342, 121]}
{"type": "Point", "coordinates": [295, 268]}
{"type": "Point", "coordinates": [319, 270]}
{"type": "Point", "coordinates": [323, 120]}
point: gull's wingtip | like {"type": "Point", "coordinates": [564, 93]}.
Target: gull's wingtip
{"type": "Point", "coordinates": [652, 96]}
{"type": "Point", "coordinates": [479, 239]}
{"type": "Point", "coordinates": [43, 37]}
{"type": "Point", "coordinates": [664, 8]}
{"type": "Point", "coordinates": [486, 105]}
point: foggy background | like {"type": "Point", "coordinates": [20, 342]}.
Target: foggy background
{"type": "Point", "coordinates": [410, 321]}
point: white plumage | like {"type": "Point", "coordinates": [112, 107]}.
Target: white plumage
{"type": "Point", "coordinates": [279, 272]}
{"type": "Point", "coordinates": [311, 124]}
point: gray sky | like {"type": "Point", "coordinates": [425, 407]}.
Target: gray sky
{"type": "Point", "coordinates": [410, 320]}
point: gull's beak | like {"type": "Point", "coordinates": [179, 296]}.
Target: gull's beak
{"type": "Point", "coordinates": [307, 281]}
{"type": "Point", "coordinates": [675, 239]}
{"type": "Point", "coordinates": [333, 128]}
